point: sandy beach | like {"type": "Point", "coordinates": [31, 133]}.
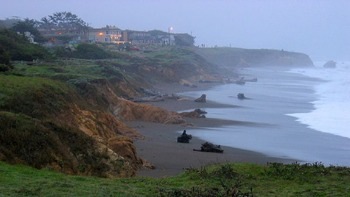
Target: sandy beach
{"type": "Point", "coordinates": [159, 146]}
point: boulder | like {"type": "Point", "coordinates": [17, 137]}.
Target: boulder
{"type": "Point", "coordinates": [184, 137]}
{"type": "Point", "coordinates": [330, 64]}
{"type": "Point", "coordinates": [201, 99]}
{"type": "Point", "coordinates": [241, 96]}
{"type": "Point", "coordinates": [210, 147]}
{"type": "Point", "coordinates": [197, 113]}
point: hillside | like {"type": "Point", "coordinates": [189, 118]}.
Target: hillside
{"type": "Point", "coordinates": [68, 114]}
{"type": "Point", "coordinates": [237, 57]}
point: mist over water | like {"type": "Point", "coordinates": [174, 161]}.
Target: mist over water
{"type": "Point", "coordinates": [295, 116]}
{"type": "Point", "coordinates": [331, 113]}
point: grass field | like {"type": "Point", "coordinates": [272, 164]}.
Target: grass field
{"type": "Point", "coordinates": [219, 180]}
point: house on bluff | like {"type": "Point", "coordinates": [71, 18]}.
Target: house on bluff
{"type": "Point", "coordinates": [108, 34]}
{"type": "Point", "coordinates": [114, 35]}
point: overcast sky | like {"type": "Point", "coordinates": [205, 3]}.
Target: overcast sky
{"type": "Point", "coordinates": [319, 28]}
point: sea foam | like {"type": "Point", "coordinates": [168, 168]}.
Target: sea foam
{"type": "Point", "coordinates": [331, 109]}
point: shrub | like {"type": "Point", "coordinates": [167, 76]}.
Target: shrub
{"type": "Point", "coordinates": [83, 51]}
{"type": "Point", "coordinates": [17, 47]}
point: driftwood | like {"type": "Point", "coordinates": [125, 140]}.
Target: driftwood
{"type": "Point", "coordinates": [210, 147]}
{"type": "Point", "coordinates": [241, 80]}
{"type": "Point", "coordinates": [149, 99]}
{"type": "Point", "coordinates": [156, 98]}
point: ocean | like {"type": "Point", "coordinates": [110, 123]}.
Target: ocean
{"type": "Point", "coordinates": [333, 100]}
{"type": "Point", "coordinates": [299, 114]}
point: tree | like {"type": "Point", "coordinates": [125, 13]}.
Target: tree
{"type": "Point", "coordinates": [64, 26]}
{"type": "Point", "coordinates": [8, 23]}
{"type": "Point", "coordinates": [29, 25]}
{"type": "Point", "coordinates": [184, 40]}
{"type": "Point", "coordinates": [64, 21]}
{"type": "Point", "coordinates": [5, 64]}
{"type": "Point", "coordinates": [16, 47]}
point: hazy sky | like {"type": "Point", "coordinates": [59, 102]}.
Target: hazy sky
{"type": "Point", "coordinates": [320, 28]}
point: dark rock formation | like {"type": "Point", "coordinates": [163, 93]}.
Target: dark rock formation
{"type": "Point", "coordinates": [197, 113]}
{"type": "Point", "coordinates": [201, 99]}
{"type": "Point", "coordinates": [241, 96]}
{"type": "Point", "coordinates": [184, 137]}
{"type": "Point", "coordinates": [209, 147]}
{"type": "Point", "coordinates": [330, 64]}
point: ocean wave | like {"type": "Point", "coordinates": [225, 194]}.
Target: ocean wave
{"type": "Point", "coordinates": [330, 112]}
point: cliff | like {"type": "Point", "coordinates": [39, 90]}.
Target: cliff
{"type": "Point", "coordinates": [236, 57]}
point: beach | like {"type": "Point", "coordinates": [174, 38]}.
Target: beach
{"type": "Point", "coordinates": [169, 158]}
{"type": "Point", "coordinates": [258, 129]}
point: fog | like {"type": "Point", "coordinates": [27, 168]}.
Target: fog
{"type": "Point", "coordinates": [319, 28]}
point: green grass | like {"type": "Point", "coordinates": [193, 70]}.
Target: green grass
{"type": "Point", "coordinates": [219, 180]}
{"type": "Point", "coordinates": [65, 70]}
{"type": "Point", "coordinates": [32, 95]}
{"type": "Point", "coordinates": [10, 84]}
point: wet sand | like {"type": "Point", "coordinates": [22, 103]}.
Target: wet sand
{"type": "Point", "coordinates": [159, 146]}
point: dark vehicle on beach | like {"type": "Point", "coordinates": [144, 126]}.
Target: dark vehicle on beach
{"type": "Point", "coordinates": [210, 147]}
{"type": "Point", "coordinates": [184, 137]}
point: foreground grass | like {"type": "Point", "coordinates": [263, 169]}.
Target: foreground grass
{"type": "Point", "coordinates": [220, 180]}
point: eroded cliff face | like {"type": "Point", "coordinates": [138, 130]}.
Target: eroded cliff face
{"type": "Point", "coordinates": [105, 125]}
{"type": "Point", "coordinates": [71, 130]}
{"type": "Point", "coordinates": [112, 138]}
{"type": "Point", "coordinates": [128, 111]}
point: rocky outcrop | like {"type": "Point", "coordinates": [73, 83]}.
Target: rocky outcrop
{"type": "Point", "coordinates": [330, 64]}
{"type": "Point", "coordinates": [201, 99]}
{"type": "Point", "coordinates": [241, 96]}
{"type": "Point", "coordinates": [63, 147]}
{"type": "Point", "coordinates": [187, 83]}
{"type": "Point", "coordinates": [128, 111]}
{"type": "Point", "coordinates": [112, 138]}
{"type": "Point", "coordinates": [197, 113]}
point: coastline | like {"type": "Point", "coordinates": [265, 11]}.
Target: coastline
{"type": "Point", "coordinates": [159, 146]}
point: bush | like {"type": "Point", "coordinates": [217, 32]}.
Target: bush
{"type": "Point", "coordinates": [4, 68]}
{"type": "Point", "coordinates": [4, 57]}
{"type": "Point", "coordinates": [83, 51]}
{"type": "Point", "coordinates": [17, 47]}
